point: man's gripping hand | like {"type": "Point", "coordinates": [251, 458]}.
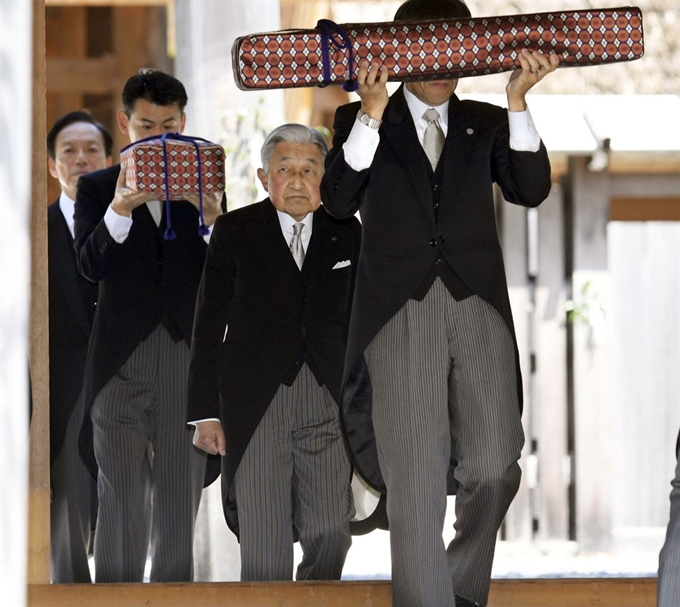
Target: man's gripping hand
{"type": "Point", "coordinates": [126, 200]}
{"type": "Point", "coordinates": [372, 81]}
{"type": "Point", "coordinates": [209, 437]}
{"type": "Point", "coordinates": [212, 206]}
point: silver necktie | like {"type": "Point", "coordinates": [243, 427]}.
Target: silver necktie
{"type": "Point", "coordinates": [296, 247]}
{"type": "Point", "coordinates": [433, 139]}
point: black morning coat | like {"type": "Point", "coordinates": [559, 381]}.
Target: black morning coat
{"type": "Point", "coordinates": [143, 281]}
{"type": "Point", "coordinates": [73, 301]}
{"type": "Point", "coordinates": [402, 239]}
{"type": "Point", "coordinates": [250, 289]}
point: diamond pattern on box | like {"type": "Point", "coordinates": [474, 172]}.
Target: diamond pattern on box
{"type": "Point", "coordinates": [428, 51]}
{"type": "Point", "coordinates": [145, 167]}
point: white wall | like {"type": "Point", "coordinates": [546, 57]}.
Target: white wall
{"type": "Point", "coordinates": [15, 155]}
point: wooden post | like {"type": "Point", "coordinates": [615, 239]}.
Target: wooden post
{"type": "Point", "coordinates": [591, 357]}
{"type": "Point", "coordinates": [39, 475]}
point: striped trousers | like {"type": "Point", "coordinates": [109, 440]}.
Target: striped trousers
{"type": "Point", "coordinates": [443, 372]}
{"type": "Point", "coordinates": [74, 499]}
{"type": "Point", "coordinates": [295, 473]}
{"type": "Point", "coordinates": [150, 474]}
{"type": "Point", "coordinates": [669, 559]}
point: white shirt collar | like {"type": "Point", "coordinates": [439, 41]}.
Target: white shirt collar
{"type": "Point", "coordinates": [418, 108]}
{"type": "Point", "coordinates": [286, 222]}
{"type": "Point", "coordinates": [67, 206]}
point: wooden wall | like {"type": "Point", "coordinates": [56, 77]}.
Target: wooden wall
{"type": "Point", "coordinates": [91, 51]}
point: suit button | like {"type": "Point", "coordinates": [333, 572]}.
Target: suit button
{"type": "Point", "coordinates": [435, 205]}
{"type": "Point", "coordinates": [435, 187]}
{"type": "Point", "coordinates": [433, 243]}
{"type": "Point", "coordinates": [439, 261]}
{"type": "Point", "coordinates": [298, 364]}
{"type": "Point", "coordinates": [305, 348]}
{"type": "Point", "coordinates": [304, 285]}
{"type": "Point", "coordinates": [303, 330]}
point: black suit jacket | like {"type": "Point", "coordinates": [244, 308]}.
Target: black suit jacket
{"type": "Point", "coordinates": [143, 281]}
{"type": "Point", "coordinates": [402, 238]}
{"type": "Point", "coordinates": [249, 286]}
{"type": "Point", "coordinates": [72, 300]}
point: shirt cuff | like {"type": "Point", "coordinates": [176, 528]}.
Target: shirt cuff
{"type": "Point", "coordinates": [523, 134]}
{"type": "Point", "coordinates": [360, 146]}
{"type": "Point", "coordinates": [117, 225]}
{"type": "Point", "coordinates": [207, 419]}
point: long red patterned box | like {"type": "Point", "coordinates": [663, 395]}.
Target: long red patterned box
{"type": "Point", "coordinates": [188, 160]}
{"type": "Point", "coordinates": [440, 49]}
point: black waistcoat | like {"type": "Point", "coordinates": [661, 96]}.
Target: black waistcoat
{"type": "Point", "coordinates": [458, 289]}
{"type": "Point", "coordinates": [303, 354]}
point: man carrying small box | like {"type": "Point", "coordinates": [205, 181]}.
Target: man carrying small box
{"type": "Point", "coordinates": [139, 352]}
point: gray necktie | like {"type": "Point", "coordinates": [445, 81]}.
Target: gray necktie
{"type": "Point", "coordinates": [296, 245]}
{"type": "Point", "coordinates": [433, 139]}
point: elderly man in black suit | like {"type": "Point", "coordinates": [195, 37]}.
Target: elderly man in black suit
{"type": "Point", "coordinates": [139, 352]}
{"type": "Point", "coordinates": [266, 365]}
{"type": "Point", "coordinates": [76, 145]}
{"type": "Point", "coordinates": [432, 358]}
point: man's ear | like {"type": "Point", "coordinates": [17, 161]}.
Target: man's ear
{"type": "Point", "coordinates": [52, 166]}
{"type": "Point", "coordinates": [262, 176]}
{"type": "Point", "coordinates": [182, 123]}
{"type": "Point", "coordinates": [109, 161]}
{"type": "Point", "coordinates": [123, 122]}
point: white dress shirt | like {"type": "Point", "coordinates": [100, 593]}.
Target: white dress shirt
{"type": "Point", "coordinates": [363, 141]}
{"type": "Point", "coordinates": [287, 223]}
{"type": "Point", "coordinates": [67, 207]}
{"type": "Point", "coordinates": [119, 225]}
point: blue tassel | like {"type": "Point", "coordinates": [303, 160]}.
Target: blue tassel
{"type": "Point", "coordinates": [350, 86]}
{"type": "Point", "coordinates": [203, 230]}
{"type": "Point", "coordinates": [170, 234]}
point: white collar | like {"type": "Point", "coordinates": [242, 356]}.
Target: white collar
{"type": "Point", "coordinates": [287, 222]}
{"type": "Point", "coordinates": [68, 206]}
{"type": "Point", "coordinates": [418, 108]}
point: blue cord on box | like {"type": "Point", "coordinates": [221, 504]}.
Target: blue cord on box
{"type": "Point", "coordinates": [327, 29]}
{"type": "Point", "coordinates": [202, 228]}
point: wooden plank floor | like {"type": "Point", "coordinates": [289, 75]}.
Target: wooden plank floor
{"type": "Point", "coordinates": [597, 592]}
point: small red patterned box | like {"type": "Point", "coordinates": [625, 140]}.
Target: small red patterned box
{"type": "Point", "coordinates": [188, 159]}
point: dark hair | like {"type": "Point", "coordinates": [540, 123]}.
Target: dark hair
{"type": "Point", "coordinates": [415, 10]}
{"type": "Point", "coordinates": [155, 87]}
{"type": "Point", "coordinates": [72, 118]}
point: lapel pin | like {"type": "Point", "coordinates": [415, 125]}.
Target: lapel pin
{"type": "Point", "coordinates": [334, 238]}
{"type": "Point", "coordinates": [470, 131]}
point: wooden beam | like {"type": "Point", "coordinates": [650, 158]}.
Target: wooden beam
{"type": "Point", "coordinates": [39, 465]}
{"type": "Point", "coordinates": [84, 76]}
{"type": "Point", "coordinates": [645, 209]}
{"type": "Point", "coordinates": [612, 592]}
{"type": "Point", "coordinates": [108, 2]}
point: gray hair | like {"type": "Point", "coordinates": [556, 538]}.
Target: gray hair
{"type": "Point", "coordinates": [291, 133]}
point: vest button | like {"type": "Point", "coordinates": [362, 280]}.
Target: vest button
{"type": "Point", "coordinates": [433, 242]}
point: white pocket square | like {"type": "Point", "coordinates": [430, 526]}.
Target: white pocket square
{"type": "Point", "coordinates": [342, 264]}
